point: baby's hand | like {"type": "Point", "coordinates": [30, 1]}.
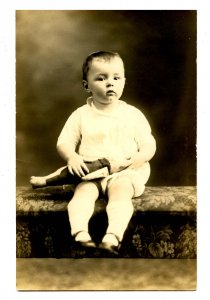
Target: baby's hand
{"type": "Point", "coordinates": [117, 166]}
{"type": "Point", "coordinates": [137, 161]}
{"type": "Point", "coordinates": [77, 166]}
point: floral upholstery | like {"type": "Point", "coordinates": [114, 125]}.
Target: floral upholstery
{"type": "Point", "coordinates": [163, 224]}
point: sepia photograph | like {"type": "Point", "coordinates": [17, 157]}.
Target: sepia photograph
{"type": "Point", "coordinates": [106, 167]}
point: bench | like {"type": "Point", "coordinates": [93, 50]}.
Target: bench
{"type": "Point", "coordinates": [163, 224]}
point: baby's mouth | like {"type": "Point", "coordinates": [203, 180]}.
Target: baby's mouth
{"type": "Point", "coordinates": [110, 92]}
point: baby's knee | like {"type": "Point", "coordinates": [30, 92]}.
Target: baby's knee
{"type": "Point", "coordinates": [85, 192]}
{"type": "Point", "coordinates": [71, 204]}
{"type": "Point", "coordinates": [87, 187]}
{"type": "Point", "coordinates": [121, 185]}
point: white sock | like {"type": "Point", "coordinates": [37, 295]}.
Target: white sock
{"type": "Point", "coordinates": [110, 238]}
{"type": "Point", "coordinates": [82, 236]}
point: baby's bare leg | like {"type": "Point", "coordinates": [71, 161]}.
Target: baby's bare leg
{"type": "Point", "coordinates": [40, 181]}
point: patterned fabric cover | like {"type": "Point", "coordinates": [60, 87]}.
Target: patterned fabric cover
{"type": "Point", "coordinates": [163, 224]}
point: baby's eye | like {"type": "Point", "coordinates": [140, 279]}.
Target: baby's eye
{"type": "Point", "coordinates": [101, 78]}
{"type": "Point", "coordinates": [117, 78]}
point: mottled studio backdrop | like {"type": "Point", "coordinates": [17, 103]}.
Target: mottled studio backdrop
{"type": "Point", "coordinates": [159, 51]}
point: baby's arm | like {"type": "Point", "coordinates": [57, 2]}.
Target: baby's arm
{"type": "Point", "coordinates": [67, 143]}
{"type": "Point", "coordinates": [144, 154]}
{"type": "Point", "coordinates": [145, 142]}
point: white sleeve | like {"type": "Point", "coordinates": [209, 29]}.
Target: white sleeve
{"type": "Point", "coordinates": [143, 135]}
{"type": "Point", "coordinates": [71, 132]}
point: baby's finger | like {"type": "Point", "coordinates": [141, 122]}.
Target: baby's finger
{"type": "Point", "coordinates": [129, 162]}
{"type": "Point", "coordinates": [84, 167]}
{"type": "Point", "coordinates": [70, 170]}
{"type": "Point", "coordinates": [80, 172]}
{"type": "Point", "coordinates": [131, 166]}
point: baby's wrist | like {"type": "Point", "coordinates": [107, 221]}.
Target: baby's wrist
{"type": "Point", "coordinates": [71, 157]}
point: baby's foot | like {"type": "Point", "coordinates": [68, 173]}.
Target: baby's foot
{"type": "Point", "coordinates": [110, 244]}
{"type": "Point", "coordinates": [83, 239]}
{"type": "Point", "coordinates": [82, 236]}
{"type": "Point", "coordinates": [111, 239]}
{"type": "Point", "coordinates": [37, 182]}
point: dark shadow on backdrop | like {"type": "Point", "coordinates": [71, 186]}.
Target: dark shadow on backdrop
{"type": "Point", "coordinates": [159, 51]}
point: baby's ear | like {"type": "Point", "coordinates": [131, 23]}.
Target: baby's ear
{"type": "Point", "coordinates": [85, 84]}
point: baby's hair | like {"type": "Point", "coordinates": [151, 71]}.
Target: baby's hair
{"type": "Point", "coordinates": [105, 55]}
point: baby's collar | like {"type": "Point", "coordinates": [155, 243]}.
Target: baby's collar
{"type": "Point", "coordinates": [90, 103]}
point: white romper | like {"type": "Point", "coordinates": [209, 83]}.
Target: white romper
{"type": "Point", "coordinates": [116, 136]}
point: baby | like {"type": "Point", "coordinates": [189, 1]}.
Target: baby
{"type": "Point", "coordinates": [104, 128]}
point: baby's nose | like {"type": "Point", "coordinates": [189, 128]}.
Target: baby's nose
{"type": "Point", "coordinates": [110, 83]}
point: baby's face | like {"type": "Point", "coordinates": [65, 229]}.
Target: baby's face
{"type": "Point", "coordinates": [106, 80]}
